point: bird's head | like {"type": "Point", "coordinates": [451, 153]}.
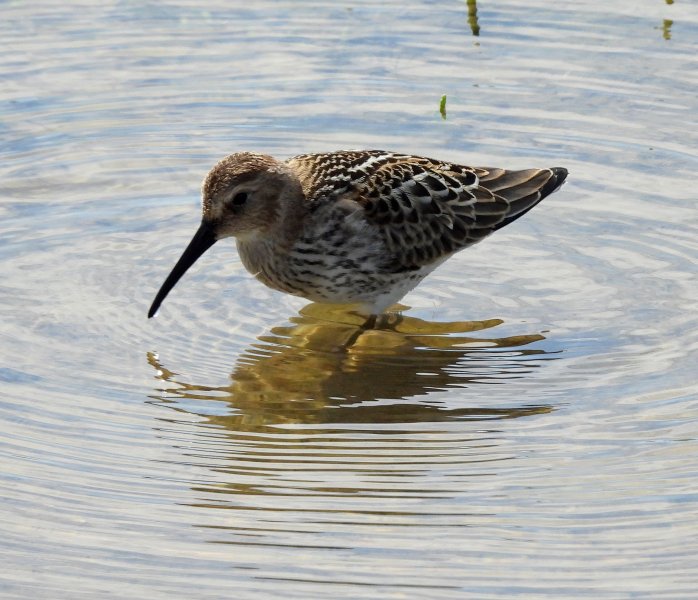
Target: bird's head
{"type": "Point", "coordinates": [241, 197]}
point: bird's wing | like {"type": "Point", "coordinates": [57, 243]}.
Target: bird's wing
{"type": "Point", "coordinates": [428, 209]}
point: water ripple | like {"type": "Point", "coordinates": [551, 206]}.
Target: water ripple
{"type": "Point", "coordinates": [523, 427]}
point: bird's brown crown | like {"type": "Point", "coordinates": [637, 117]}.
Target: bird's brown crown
{"type": "Point", "coordinates": [232, 171]}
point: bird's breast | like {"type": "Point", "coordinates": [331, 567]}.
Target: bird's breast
{"type": "Point", "coordinates": [336, 257]}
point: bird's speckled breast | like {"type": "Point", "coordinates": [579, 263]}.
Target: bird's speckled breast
{"type": "Point", "coordinates": [337, 257]}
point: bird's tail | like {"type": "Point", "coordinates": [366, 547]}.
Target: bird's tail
{"type": "Point", "coordinates": [522, 189]}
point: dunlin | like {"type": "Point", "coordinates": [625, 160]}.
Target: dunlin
{"type": "Point", "coordinates": [361, 227]}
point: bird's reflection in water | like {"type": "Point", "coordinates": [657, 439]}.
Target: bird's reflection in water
{"type": "Point", "coordinates": [325, 368]}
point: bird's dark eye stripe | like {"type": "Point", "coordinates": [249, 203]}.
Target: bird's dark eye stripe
{"type": "Point", "coordinates": [240, 198]}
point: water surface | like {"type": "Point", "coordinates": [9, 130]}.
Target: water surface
{"type": "Point", "coordinates": [526, 427]}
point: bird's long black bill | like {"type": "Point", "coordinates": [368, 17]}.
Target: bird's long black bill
{"type": "Point", "coordinates": [203, 239]}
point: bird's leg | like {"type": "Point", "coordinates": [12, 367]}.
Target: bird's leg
{"type": "Point", "coordinates": [382, 321]}
{"type": "Point", "coordinates": [370, 323]}
{"type": "Point", "coordinates": [391, 320]}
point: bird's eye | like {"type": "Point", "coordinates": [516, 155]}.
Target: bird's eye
{"type": "Point", "coordinates": [239, 199]}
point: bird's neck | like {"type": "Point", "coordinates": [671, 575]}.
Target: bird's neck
{"type": "Point", "coordinates": [265, 253]}
{"type": "Point", "coordinates": [291, 212]}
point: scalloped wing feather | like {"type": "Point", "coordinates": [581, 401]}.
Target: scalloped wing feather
{"type": "Point", "coordinates": [427, 210]}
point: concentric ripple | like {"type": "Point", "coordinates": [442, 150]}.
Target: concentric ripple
{"type": "Point", "coordinates": [524, 426]}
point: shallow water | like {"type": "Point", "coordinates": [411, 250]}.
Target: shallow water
{"type": "Point", "coordinates": [526, 427]}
